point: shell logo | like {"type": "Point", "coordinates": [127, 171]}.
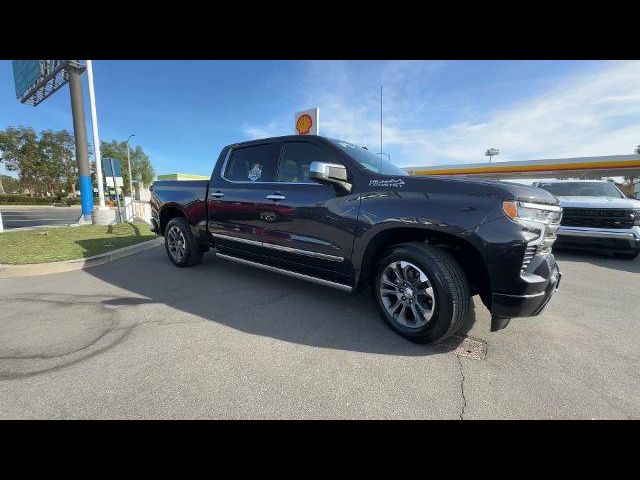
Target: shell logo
{"type": "Point", "coordinates": [303, 124]}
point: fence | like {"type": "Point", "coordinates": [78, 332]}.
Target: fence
{"type": "Point", "coordinates": [137, 210]}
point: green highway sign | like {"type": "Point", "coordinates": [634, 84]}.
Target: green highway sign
{"type": "Point", "coordinates": [25, 74]}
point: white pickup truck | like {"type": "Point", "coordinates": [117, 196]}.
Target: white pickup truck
{"type": "Point", "coordinates": [596, 215]}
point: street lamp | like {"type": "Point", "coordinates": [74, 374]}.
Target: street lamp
{"type": "Point", "coordinates": [129, 163]}
{"type": "Point", "coordinates": [491, 153]}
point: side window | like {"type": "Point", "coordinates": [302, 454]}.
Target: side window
{"type": "Point", "coordinates": [256, 163]}
{"type": "Point", "coordinates": [296, 158]}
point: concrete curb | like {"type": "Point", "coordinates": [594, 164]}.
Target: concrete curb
{"type": "Point", "coordinates": [11, 271]}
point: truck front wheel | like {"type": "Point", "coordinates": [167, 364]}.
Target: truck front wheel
{"type": "Point", "coordinates": [180, 243]}
{"type": "Point", "coordinates": [421, 292]}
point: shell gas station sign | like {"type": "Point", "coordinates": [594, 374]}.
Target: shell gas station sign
{"type": "Point", "coordinates": [308, 122]}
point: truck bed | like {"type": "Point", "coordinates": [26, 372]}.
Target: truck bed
{"type": "Point", "coordinates": [189, 196]}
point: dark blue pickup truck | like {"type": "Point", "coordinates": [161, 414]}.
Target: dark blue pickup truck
{"type": "Point", "coordinates": [335, 214]}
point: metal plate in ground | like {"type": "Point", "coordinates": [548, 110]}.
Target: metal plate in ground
{"type": "Point", "coordinates": [465, 347]}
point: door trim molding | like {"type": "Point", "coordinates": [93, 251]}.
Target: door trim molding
{"type": "Point", "coordinates": [282, 248]}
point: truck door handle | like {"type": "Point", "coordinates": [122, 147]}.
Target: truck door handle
{"type": "Point", "coordinates": [276, 197]}
{"type": "Point", "coordinates": [217, 194]}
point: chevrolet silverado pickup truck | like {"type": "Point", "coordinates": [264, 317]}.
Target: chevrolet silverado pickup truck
{"type": "Point", "coordinates": [596, 216]}
{"type": "Point", "coordinates": [333, 213]}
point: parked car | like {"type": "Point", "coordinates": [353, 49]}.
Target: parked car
{"type": "Point", "coordinates": [596, 216]}
{"type": "Point", "coordinates": [332, 213]}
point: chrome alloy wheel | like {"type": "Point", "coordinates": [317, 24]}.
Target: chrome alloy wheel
{"type": "Point", "coordinates": [407, 294]}
{"type": "Point", "coordinates": [177, 243]}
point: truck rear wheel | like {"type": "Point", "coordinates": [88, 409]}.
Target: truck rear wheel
{"type": "Point", "coordinates": [421, 292]}
{"type": "Point", "coordinates": [180, 243]}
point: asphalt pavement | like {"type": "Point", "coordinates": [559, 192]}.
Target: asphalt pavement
{"type": "Point", "coordinates": [21, 216]}
{"type": "Point", "coordinates": [140, 338]}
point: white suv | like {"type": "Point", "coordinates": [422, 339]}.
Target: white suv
{"type": "Point", "coordinates": [596, 215]}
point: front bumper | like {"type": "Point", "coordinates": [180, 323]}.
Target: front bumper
{"type": "Point", "coordinates": [599, 238]}
{"type": "Point", "coordinates": [528, 305]}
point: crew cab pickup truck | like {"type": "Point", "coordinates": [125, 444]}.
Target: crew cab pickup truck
{"type": "Point", "coordinates": [333, 213]}
{"type": "Point", "coordinates": [596, 216]}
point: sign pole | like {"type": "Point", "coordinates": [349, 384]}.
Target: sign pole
{"type": "Point", "coordinates": [115, 187]}
{"type": "Point", "coordinates": [96, 137]}
{"type": "Point", "coordinates": [80, 132]}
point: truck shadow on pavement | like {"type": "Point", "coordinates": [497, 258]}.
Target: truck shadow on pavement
{"type": "Point", "coordinates": [599, 259]}
{"type": "Point", "coordinates": [262, 303]}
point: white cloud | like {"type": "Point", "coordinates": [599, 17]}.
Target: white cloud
{"type": "Point", "coordinates": [272, 129]}
{"type": "Point", "coordinates": [597, 113]}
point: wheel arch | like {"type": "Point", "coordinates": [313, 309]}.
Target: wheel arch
{"type": "Point", "coordinates": [167, 212]}
{"type": "Point", "coordinates": [463, 250]}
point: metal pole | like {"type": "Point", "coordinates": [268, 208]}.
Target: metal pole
{"type": "Point", "coordinates": [80, 132]}
{"type": "Point", "coordinates": [380, 128]}
{"type": "Point", "coordinates": [129, 163]}
{"type": "Point", "coordinates": [115, 186]}
{"type": "Point", "coordinates": [96, 137]}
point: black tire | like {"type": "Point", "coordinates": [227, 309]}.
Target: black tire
{"type": "Point", "coordinates": [452, 296]}
{"type": "Point", "coordinates": [192, 252]}
{"type": "Point", "coordinates": [627, 255]}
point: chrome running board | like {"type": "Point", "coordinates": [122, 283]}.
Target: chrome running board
{"type": "Point", "coordinates": [301, 276]}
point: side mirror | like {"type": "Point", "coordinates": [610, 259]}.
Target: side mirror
{"type": "Point", "coordinates": [330, 173]}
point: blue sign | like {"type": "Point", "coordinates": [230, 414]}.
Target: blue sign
{"type": "Point", "coordinates": [106, 163]}
{"type": "Point", "coordinates": [25, 74]}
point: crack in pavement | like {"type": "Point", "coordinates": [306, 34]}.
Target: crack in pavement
{"type": "Point", "coordinates": [464, 398]}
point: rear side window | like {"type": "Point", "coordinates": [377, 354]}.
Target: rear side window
{"type": "Point", "coordinates": [256, 163]}
{"type": "Point", "coordinates": [296, 158]}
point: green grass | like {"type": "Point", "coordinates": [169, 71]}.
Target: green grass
{"type": "Point", "coordinates": [66, 243]}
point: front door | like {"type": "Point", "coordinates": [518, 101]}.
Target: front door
{"type": "Point", "coordinates": [307, 225]}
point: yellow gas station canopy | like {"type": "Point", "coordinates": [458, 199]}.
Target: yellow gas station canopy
{"type": "Point", "coordinates": [589, 167]}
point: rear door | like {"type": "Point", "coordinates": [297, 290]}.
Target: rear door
{"type": "Point", "coordinates": [237, 188]}
{"type": "Point", "coordinates": [309, 226]}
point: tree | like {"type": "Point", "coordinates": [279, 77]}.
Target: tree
{"type": "Point", "coordinates": [141, 168]}
{"type": "Point", "coordinates": [10, 183]}
{"type": "Point", "coordinates": [637, 150]}
{"type": "Point", "coordinates": [20, 153]}
{"type": "Point", "coordinates": [58, 149]}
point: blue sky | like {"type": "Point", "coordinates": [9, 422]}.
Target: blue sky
{"type": "Point", "coordinates": [435, 112]}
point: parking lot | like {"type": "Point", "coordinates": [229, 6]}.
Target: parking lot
{"type": "Point", "coordinates": [139, 338]}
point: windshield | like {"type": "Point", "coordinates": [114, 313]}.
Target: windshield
{"type": "Point", "coordinates": [370, 161]}
{"type": "Point", "coordinates": [582, 189]}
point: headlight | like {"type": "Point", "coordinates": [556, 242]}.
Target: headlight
{"type": "Point", "coordinates": [636, 220]}
{"type": "Point", "coordinates": [532, 212]}
{"type": "Point", "coordinates": [541, 222]}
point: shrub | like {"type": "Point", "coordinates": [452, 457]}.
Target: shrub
{"type": "Point", "coordinates": [26, 200]}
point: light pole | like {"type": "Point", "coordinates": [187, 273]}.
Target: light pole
{"type": "Point", "coordinates": [388, 156]}
{"type": "Point", "coordinates": [129, 164]}
{"type": "Point", "coordinates": [96, 137]}
{"type": "Point", "coordinates": [491, 153]}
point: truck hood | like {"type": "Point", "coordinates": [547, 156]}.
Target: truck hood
{"type": "Point", "coordinates": [504, 190]}
{"type": "Point", "coordinates": [599, 202]}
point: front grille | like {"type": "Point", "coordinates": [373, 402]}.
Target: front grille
{"type": "Point", "coordinates": [597, 218]}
